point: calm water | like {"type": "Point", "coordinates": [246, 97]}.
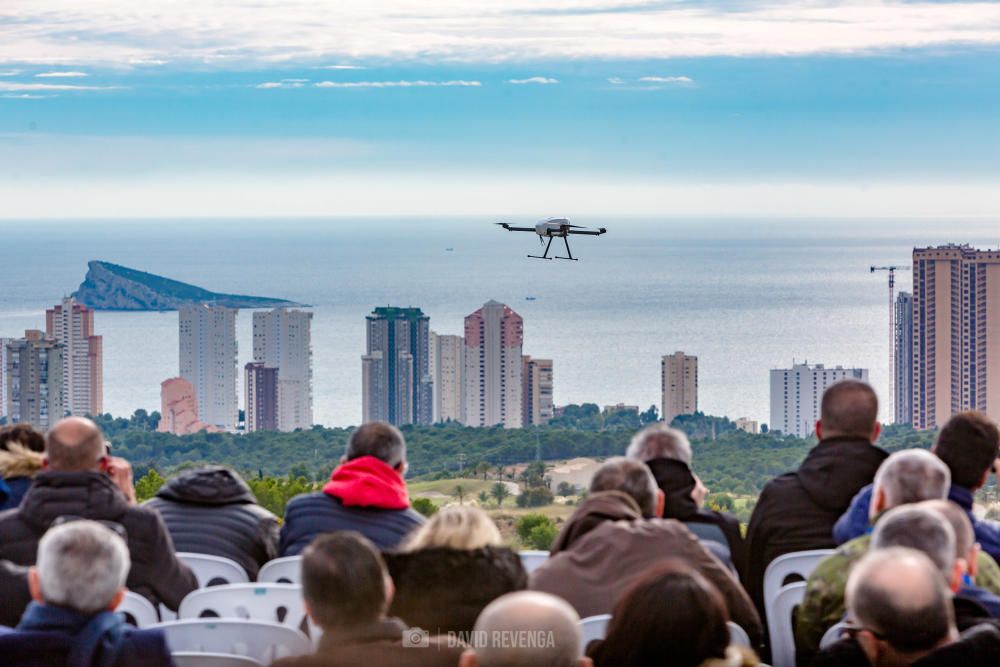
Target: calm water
{"type": "Point", "coordinates": [745, 296]}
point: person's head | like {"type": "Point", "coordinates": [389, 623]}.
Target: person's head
{"type": "Point", "coordinates": [75, 444]}
{"type": "Point", "coordinates": [81, 565]}
{"type": "Point", "coordinates": [380, 440]}
{"type": "Point", "coordinates": [898, 607]}
{"type": "Point", "coordinates": [344, 581]}
{"type": "Point", "coordinates": [659, 441]}
{"type": "Point", "coordinates": [671, 614]}
{"type": "Point", "coordinates": [456, 528]}
{"type": "Point", "coordinates": [921, 528]}
{"type": "Point", "coordinates": [966, 547]}
{"type": "Point", "coordinates": [632, 478]}
{"type": "Point", "coordinates": [909, 476]}
{"type": "Point", "coordinates": [849, 410]}
{"type": "Point", "coordinates": [551, 622]}
{"type": "Point", "coordinates": [969, 445]}
{"type": "Point", "coordinates": [23, 435]}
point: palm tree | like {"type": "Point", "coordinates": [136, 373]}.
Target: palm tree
{"type": "Point", "coordinates": [500, 492]}
{"type": "Point", "coordinates": [459, 493]}
{"type": "Point", "coordinates": [483, 498]}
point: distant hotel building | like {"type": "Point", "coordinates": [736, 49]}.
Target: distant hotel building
{"type": "Point", "coordinates": [179, 409]}
{"type": "Point", "coordinates": [72, 325]}
{"type": "Point", "coordinates": [447, 363]}
{"type": "Point", "coordinates": [395, 371]}
{"type": "Point", "coordinates": [956, 333]}
{"type": "Point", "coordinates": [493, 369]}
{"type": "Point", "coordinates": [208, 361]}
{"type": "Point", "coordinates": [903, 372]}
{"type": "Point", "coordinates": [263, 405]}
{"type": "Point", "coordinates": [536, 391]}
{"type": "Point", "coordinates": [34, 380]}
{"type": "Point", "coordinates": [282, 341]}
{"type": "Point", "coordinates": [679, 384]}
{"type": "Point", "coordinates": [747, 425]}
{"type": "Point", "coordinates": [796, 394]}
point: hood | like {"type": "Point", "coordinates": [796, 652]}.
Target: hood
{"type": "Point", "coordinates": [836, 468]}
{"type": "Point", "coordinates": [368, 482]}
{"type": "Point", "coordinates": [87, 495]}
{"type": "Point", "coordinates": [211, 485]}
{"type": "Point", "coordinates": [19, 461]}
{"type": "Point", "coordinates": [677, 482]}
{"type": "Point", "coordinates": [979, 645]}
{"type": "Point", "coordinates": [596, 509]}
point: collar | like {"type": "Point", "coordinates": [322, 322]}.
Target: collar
{"type": "Point", "coordinates": [52, 618]}
{"type": "Point", "coordinates": [384, 629]}
{"type": "Point", "coordinates": [961, 496]}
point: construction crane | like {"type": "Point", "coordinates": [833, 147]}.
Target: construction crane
{"type": "Point", "coordinates": [892, 328]}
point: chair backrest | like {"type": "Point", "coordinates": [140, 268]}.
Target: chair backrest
{"type": "Point", "coordinates": [138, 611]}
{"type": "Point", "coordinates": [591, 628]}
{"type": "Point", "coordinates": [737, 635]}
{"type": "Point", "coordinates": [779, 622]}
{"type": "Point", "coordinates": [274, 603]}
{"type": "Point", "coordinates": [532, 559]}
{"type": "Point", "coordinates": [800, 563]}
{"type": "Point", "coordinates": [264, 642]}
{"type": "Point", "coordinates": [833, 635]}
{"type": "Point", "coordinates": [287, 570]}
{"type": "Point", "coordinates": [186, 659]}
{"type": "Point", "coordinates": [213, 570]}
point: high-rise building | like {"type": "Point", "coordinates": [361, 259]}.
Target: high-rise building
{"type": "Point", "coordinates": [493, 370]}
{"type": "Point", "coordinates": [282, 340]}
{"type": "Point", "coordinates": [3, 376]}
{"type": "Point", "coordinates": [208, 361]}
{"type": "Point", "coordinates": [679, 384]}
{"type": "Point", "coordinates": [536, 391]}
{"type": "Point", "coordinates": [797, 394]}
{"type": "Point", "coordinates": [179, 409]}
{"type": "Point", "coordinates": [34, 380]}
{"type": "Point", "coordinates": [395, 371]}
{"type": "Point", "coordinates": [263, 398]}
{"type": "Point", "coordinates": [447, 361]}
{"type": "Point", "coordinates": [72, 325]}
{"type": "Point", "coordinates": [903, 385]}
{"type": "Point", "coordinates": [956, 333]}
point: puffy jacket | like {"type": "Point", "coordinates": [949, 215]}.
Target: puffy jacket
{"type": "Point", "coordinates": [14, 593]}
{"type": "Point", "coordinates": [364, 495]}
{"type": "Point", "coordinates": [242, 530]}
{"type": "Point", "coordinates": [156, 573]}
{"type": "Point", "coordinates": [18, 465]}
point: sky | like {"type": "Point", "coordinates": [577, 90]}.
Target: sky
{"type": "Point", "coordinates": [140, 108]}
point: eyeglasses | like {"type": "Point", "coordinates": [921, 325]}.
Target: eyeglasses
{"type": "Point", "coordinates": [853, 628]}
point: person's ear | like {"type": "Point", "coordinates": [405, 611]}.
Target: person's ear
{"type": "Point", "coordinates": [584, 662]}
{"type": "Point", "coordinates": [876, 432]}
{"type": "Point", "coordinates": [871, 646]}
{"type": "Point", "coordinates": [45, 463]}
{"type": "Point", "coordinates": [390, 591]}
{"type": "Point", "coordinates": [958, 570]}
{"type": "Point", "coordinates": [661, 502]}
{"type": "Point", "coordinates": [983, 479]}
{"type": "Point", "coordinates": [878, 503]}
{"type": "Point", "coordinates": [343, 460]}
{"type": "Point", "coordinates": [117, 599]}
{"type": "Point", "coordinates": [819, 430]}
{"type": "Point", "coordinates": [309, 612]}
{"type": "Point", "coordinates": [468, 658]}
{"type": "Point", "coordinates": [35, 586]}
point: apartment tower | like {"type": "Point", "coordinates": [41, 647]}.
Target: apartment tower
{"type": "Point", "coordinates": [797, 394]}
{"type": "Point", "coordinates": [208, 350]}
{"type": "Point", "coordinates": [282, 340]}
{"type": "Point", "coordinates": [903, 372]}
{"type": "Point", "coordinates": [34, 377]}
{"type": "Point", "coordinates": [72, 325]}
{"type": "Point", "coordinates": [3, 375]}
{"type": "Point", "coordinates": [679, 385]}
{"type": "Point", "coordinates": [536, 391]}
{"type": "Point", "coordinates": [395, 370]}
{"type": "Point", "coordinates": [263, 403]}
{"type": "Point", "coordinates": [447, 362]}
{"type": "Point", "coordinates": [493, 367]}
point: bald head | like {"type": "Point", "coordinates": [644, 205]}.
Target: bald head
{"type": "Point", "coordinates": [849, 409]}
{"type": "Point", "coordinates": [74, 444]}
{"type": "Point", "coordinates": [526, 629]}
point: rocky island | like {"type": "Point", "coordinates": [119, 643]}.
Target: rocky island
{"type": "Point", "coordinates": [110, 286]}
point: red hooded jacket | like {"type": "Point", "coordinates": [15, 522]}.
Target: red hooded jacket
{"type": "Point", "coordinates": [368, 482]}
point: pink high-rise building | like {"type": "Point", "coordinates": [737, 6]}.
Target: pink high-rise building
{"type": "Point", "coordinates": [72, 325]}
{"type": "Point", "coordinates": [493, 367]}
{"type": "Point", "coordinates": [179, 409]}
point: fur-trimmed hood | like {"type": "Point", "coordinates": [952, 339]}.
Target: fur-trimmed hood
{"type": "Point", "coordinates": [19, 461]}
{"type": "Point", "coordinates": [736, 656]}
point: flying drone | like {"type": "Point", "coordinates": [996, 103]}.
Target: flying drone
{"type": "Point", "coordinates": [554, 228]}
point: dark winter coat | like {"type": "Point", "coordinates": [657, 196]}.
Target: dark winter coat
{"type": "Point", "coordinates": [443, 590]}
{"type": "Point", "coordinates": [216, 496]}
{"type": "Point", "coordinates": [978, 646]}
{"type": "Point", "coordinates": [156, 573]}
{"type": "Point", "coordinates": [14, 592]}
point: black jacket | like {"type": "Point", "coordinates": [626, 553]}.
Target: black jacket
{"type": "Point", "coordinates": [216, 496]}
{"type": "Point", "coordinates": [14, 593]}
{"type": "Point", "coordinates": [796, 511]}
{"type": "Point", "coordinates": [442, 590]}
{"type": "Point", "coordinates": [156, 573]}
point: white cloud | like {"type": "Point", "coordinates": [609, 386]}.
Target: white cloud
{"type": "Point", "coordinates": [678, 80]}
{"type": "Point", "coordinates": [394, 84]}
{"type": "Point", "coordinates": [27, 96]}
{"type": "Point", "coordinates": [543, 80]}
{"type": "Point", "coordinates": [60, 75]}
{"type": "Point", "coordinates": [295, 80]}
{"type": "Point", "coordinates": [16, 86]}
{"type": "Point", "coordinates": [284, 83]}
{"type": "Point", "coordinates": [616, 80]}
{"type": "Point", "coordinates": [146, 61]}
{"type": "Point", "coordinates": [340, 67]}
{"type": "Point", "coordinates": [10, 72]}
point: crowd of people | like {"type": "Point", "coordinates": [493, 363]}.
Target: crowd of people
{"type": "Point", "coordinates": [912, 578]}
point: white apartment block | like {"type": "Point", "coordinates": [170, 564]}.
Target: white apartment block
{"type": "Point", "coordinates": [797, 393]}
{"type": "Point", "coordinates": [282, 339]}
{"type": "Point", "coordinates": [447, 359]}
{"type": "Point", "coordinates": [493, 366]}
{"type": "Point", "coordinates": [679, 385]}
{"type": "Point", "coordinates": [71, 324]}
{"type": "Point", "coordinates": [208, 360]}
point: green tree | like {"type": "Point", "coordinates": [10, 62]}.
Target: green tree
{"type": "Point", "coordinates": [425, 506]}
{"type": "Point", "coordinates": [483, 498]}
{"type": "Point", "coordinates": [566, 489]}
{"type": "Point", "coordinates": [482, 468]}
{"type": "Point", "coordinates": [459, 493]}
{"type": "Point", "coordinates": [536, 531]}
{"type": "Point", "coordinates": [500, 492]}
{"type": "Point", "coordinates": [147, 486]}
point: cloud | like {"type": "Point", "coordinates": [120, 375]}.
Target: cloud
{"type": "Point", "coordinates": [542, 80]}
{"type": "Point", "coordinates": [10, 72]}
{"type": "Point", "coordinates": [284, 83]}
{"type": "Point", "coordinates": [677, 80]}
{"type": "Point", "coordinates": [146, 61]}
{"type": "Point", "coordinates": [395, 84]}
{"type": "Point", "coordinates": [16, 86]}
{"type": "Point", "coordinates": [616, 80]}
{"type": "Point", "coordinates": [60, 75]}
{"type": "Point", "coordinates": [27, 96]}
{"type": "Point", "coordinates": [340, 67]}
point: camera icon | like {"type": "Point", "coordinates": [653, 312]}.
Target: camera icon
{"type": "Point", "coordinates": [416, 638]}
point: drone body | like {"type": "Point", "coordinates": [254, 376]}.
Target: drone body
{"type": "Point", "coordinates": [552, 228]}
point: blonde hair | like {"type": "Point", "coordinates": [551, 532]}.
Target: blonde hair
{"type": "Point", "coordinates": [456, 528]}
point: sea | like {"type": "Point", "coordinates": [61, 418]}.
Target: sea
{"type": "Point", "coordinates": [744, 295]}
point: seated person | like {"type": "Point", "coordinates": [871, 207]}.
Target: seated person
{"type": "Point", "coordinates": [77, 582]}
{"type": "Point", "coordinates": [450, 569]}
{"type": "Point", "coordinates": [347, 591]}
{"type": "Point", "coordinates": [21, 456]}
{"type": "Point", "coordinates": [670, 616]}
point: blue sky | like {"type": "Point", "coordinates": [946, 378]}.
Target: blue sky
{"type": "Point", "coordinates": [141, 109]}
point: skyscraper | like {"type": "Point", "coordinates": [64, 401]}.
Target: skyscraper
{"type": "Point", "coordinates": [493, 369]}
{"type": "Point", "coordinates": [263, 404]}
{"type": "Point", "coordinates": [3, 376]}
{"type": "Point", "coordinates": [956, 333]}
{"type": "Point", "coordinates": [395, 371]}
{"type": "Point", "coordinates": [903, 385]}
{"type": "Point", "coordinates": [208, 361]}
{"type": "Point", "coordinates": [679, 385]}
{"type": "Point", "coordinates": [72, 325]}
{"type": "Point", "coordinates": [282, 340]}
{"type": "Point", "coordinates": [797, 393]}
{"type": "Point", "coordinates": [536, 392]}
{"type": "Point", "coordinates": [447, 371]}
{"type": "Point", "coordinates": [34, 380]}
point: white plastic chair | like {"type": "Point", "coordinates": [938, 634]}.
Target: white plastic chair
{"type": "Point", "coordinates": [274, 603]}
{"type": "Point", "coordinates": [832, 635]}
{"type": "Point", "coordinates": [737, 635]}
{"type": "Point", "coordinates": [779, 622]}
{"type": "Point", "coordinates": [261, 641]}
{"type": "Point", "coordinates": [138, 610]}
{"type": "Point", "coordinates": [185, 659]}
{"type": "Point", "coordinates": [213, 570]}
{"type": "Point", "coordinates": [287, 570]}
{"type": "Point", "coordinates": [533, 559]}
{"type": "Point", "coordinates": [591, 628]}
{"type": "Point", "coordinates": [800, 563]}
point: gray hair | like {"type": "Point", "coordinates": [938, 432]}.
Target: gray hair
{"type": "Point", "coordinates": [549, 624]}
{"type": "Point", "coordinates": [81, 565]}
{"type": "Point", "coordinates": [629, 477]}
{"type": "Point", "coordinates": [912, 475]}
{"type": "Point", "coordinates": [659, 441]}
{"type": "Point", "coordinates": [920, 528]}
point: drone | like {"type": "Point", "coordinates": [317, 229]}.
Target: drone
{"type": "Point", "coordinates": [555, 228]}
